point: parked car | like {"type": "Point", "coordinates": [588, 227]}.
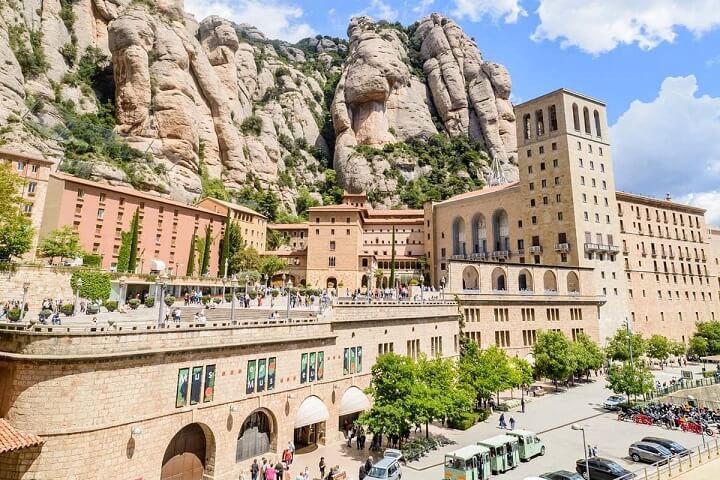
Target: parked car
{"type": "Point", "coordinates": [674, 447]}
{"type": "Point", "coordinates": [394, 453]}
{"type": "Point", "coordinates": [561, 475]}
{"type": "Point", "coordinates": [385, 469]}
{"type": "Point", "coordinates": [614, 402]}
{"type": "Point", "coordinates": [648, 452]}
{"type": "Point", "coordinates": [602, 469]}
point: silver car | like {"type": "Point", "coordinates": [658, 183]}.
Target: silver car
{"type": "Point", "coordinates": [614, 402]}
{"type": "Point", "coordinates": [385, 469]}
{"type": "Point", "coordinates": [648, 452]}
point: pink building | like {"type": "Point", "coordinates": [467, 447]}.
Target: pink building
{"type": "Point", "coordinates": [100, 213]}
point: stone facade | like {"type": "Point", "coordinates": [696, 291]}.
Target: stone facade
{"type": "Point", "coordinates": [253, 226]}
{"type": "Point", "coordinates": [84, 392]}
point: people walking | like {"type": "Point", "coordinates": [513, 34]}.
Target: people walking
{"type": "Point", "coordinates": [322, 467]}
{"type": "Point", "coordinates": [254, 469]}
{"type": "Point", "coordinates": [502, 423]}
{"type": "Point", "coordinates": [512, 423]}
{"type": "Point", "coordinates": [522, 405]}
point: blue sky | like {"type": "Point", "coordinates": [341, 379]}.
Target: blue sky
{"type": "Point", "coordinates": [656, 63]}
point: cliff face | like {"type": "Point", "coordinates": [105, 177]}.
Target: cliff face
{"type": "Point", "coordinates": [140, 93]}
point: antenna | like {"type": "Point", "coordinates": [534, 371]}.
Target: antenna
{"type": "Point", "coordinates": [497, 176]}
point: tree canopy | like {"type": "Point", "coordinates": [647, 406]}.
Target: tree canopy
{"type": "Point", "coordinates": [709, 332]}
{"type": "Point", "coordinates": [630, 378]}
{"type": "Point", "coordinates": [617, 346]}
{"type": "Point", "coordinates": [554, 357]}
{"type": "Point", "coordinates": [486, 372]}
{"type": "Point", "coordinates": [16, 232]}
{"type": "Point", "coordinates": [63, 242]}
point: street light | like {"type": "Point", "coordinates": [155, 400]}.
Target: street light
{"type": "Point", "coordinates": [26, 287]}
{"type": "Point", "coordinates": [160, 284]}
{"type": "Point", "coordinates": [233, 286]}
{"type": "Point", "coordinates": [422, 287]}
{"type": "Point", "coordinates": [79, 285]}
{"type": "Point", "coordinates": [369, 282]}
{"type": "Point", "coordinates": [629, 335]}
{"type": "Point", "coordinates": [442, 288]}
{"type": "Point", "coordinates": [122, 289]}
{"type": "Point", "coordinates": [289, 289]}
{"type": "Point", "coordinates": [576, 427]}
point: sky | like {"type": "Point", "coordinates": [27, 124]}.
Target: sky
{"type": "Point", "coordinates": [655, 63]}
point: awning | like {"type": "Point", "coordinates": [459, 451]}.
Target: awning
{"type": "Point", "coordinates": [12, 439]}
{"type": "Point", "coordinates": [353, 400]}
{"type": "Point", "coordinates": [312, 410]}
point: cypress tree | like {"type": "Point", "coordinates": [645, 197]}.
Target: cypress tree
{"type": "Point", "coordinates": [134, 228]}
{"type": "Point", "coordinates": [225, 250]}
{"type": "Point", "coordinates": [191, 257]}
{"type": "Point", "coordinates": [206, 251]}
{"type": "Point", "coordinates": [392, 260]}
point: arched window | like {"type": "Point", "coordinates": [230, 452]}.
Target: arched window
{"type": "Point", "coordinates": [549, 281]}
{"type": "Point", "coordinates": [458, 232]}
{"type": "Point", "coordinates": [573, 283]}
{"type": "Point", "coordinates": [576, 117]}
{"type": "Point", "coordinates": [525, 282]}
{"type": "Point", "coordinates": [598, 130]}
{"type": "Point", "coordinates": [471, 279]}
{"type": "Point", "coordinates": [255, 436]}
{"type": "Point", "coordinates": [553, 118]}
{"type": "Point", "coordinates": [539, 123]}
{"type": "Point", "coordinates": [526, 126]}
{"type": "Point", "coordinates": [501, 230]}
{"type": "Point", "coordinates": [586, 119]}
{"type": "Point", "coordinates": [479, 234]}
{"type": "Point", "coordinates": [498, 279]}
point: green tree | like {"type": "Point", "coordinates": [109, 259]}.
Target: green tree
{"type": "Point", "coordinates": [124, 252]}
{"type": "Point", "coordinates": [710, 331]}
{"type": "Point", "coordinates": [305, 202]}
{"type": "Point", "coordinates": [270, 265]}
{"type": "Point", "coordinates": [677, 348]}
{"type": "Point", "coordinates": [485, 372]}
{"type": "Point", "coordinates": [617, 346]}
{"type": "Point", "coordinates": [225, 248]}
{"type": "Point", "coordinates": [553, 356]}
{"type": "Point", "coordinates": [392, 384]}
{"type": "Point", "coordinates": [275, 239]}
{"type": "Point", "coordinates": [698, 346]}
{"type": "Point", "coordinates": [630, 378]}
{"type": "Point", "coordinates": [521, 372]}
{"type": "Point", "coordinates": [205, 263]}
{"type": "Point", "coordinates": [191, 256]}
{"type": "Point", "coordinates": [95, 285]}
{"type": "Point", "coordinates": [587, 355]}
{"type": "Point", "coordinates": [63, 242]}
{"type": "Point", "coordinates": [658, 347]}
{"type": "Point", "coordinates": [379, 274]}
{"type": "Point", "coordinates": [16, 232]}
{"type": "Point", "coordinates": [244, 260]}
{"type": "Point", "coordinates": [134, 229]}
{"type": "Point", "coordinates": [392, 258]}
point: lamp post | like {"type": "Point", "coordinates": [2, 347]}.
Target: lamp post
{"type": "Point", "coordinates": [629, 335]}
{"type": "Point", "coordinates": [26, 287]}
{"type": "Point", "coordinates": [122, 289]}
{"type": "Point", "coordinates": [289, 292]}
{"type": "Point", "coordinates": [442, 288]}
{"type": "Point", "coordinates": [160, 283]}
{"type": "Point", "coordinates": [576, 427]}
{"type": "Point", "coordinates": [422, 287]}
{"type": "Point", "coordinates": [233, 285]}
{"type": "Point", "coordinates": [284, 284]}
{"type": "Point", "coordinates": [369, 282]}
{"type": "Point", "coordinates": [79, 285]}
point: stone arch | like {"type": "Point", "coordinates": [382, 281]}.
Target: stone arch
{"type": "Point", "coordinates": [479, 233]}
{"type": "Point", "coordinates": [549, 281]}
{"type": "Point", "coordinates": [573, 283]}
{"type": "Point", "coordinates": [458, 236]}
{"type": "Point", "coordinates": [470, 278]}
{"type": "Point", "coordinates": [364, 281]}
{"type": "Point", "coordinates": [526, 126]}
{"type": "Point", "coordinates": [501, 230]}
{"type": "Point", "coordinates": [598, 129]}
{"type": "Point", "coordinates": [190, 454]}
{"type": "Point", "coordinates": [576, 117]}
{"type": "Point", "coordinates": [586, 119]}
{"type": "Point", "coordinates": [525, 280]}
{"type": "Point", "coordinates": [499, 279]}
{"type": "Point", "coordinates": [331, 283]}
{"type": "Point", "coordinates": [257, 435]}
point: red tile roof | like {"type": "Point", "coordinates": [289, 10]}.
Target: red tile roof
{"type": "Point", "coordinates": [12, 439]}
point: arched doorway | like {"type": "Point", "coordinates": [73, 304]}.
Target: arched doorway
{"type": "Point", "coordinates": [310, 422]}
{"type": "Point", "coordinates": [498, 279]}
{"type": "Point", "coordinates": [479, 234]}
{"type": "Point", "coordinates": [573, 283]}
{"type": "Point", "coordinates": [331, 283]}
{"type": "Point", "coordinates": [256, 436]}
{"type": "Point", "coordinates": [470, 278]}
{"type": "Point", "coordinates": [458, 236]}
{"type": "Point", "coordinates": [525, 282]}
{"type": "Point", "coordinates": [501, 230]}
{"type": "Point", "coordinates": [549, 281]}
{"type": "Point", "coordinates": [352, 404]}
{"type": "Point", "coordinates": [186, 456]}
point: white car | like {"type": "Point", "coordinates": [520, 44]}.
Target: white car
{"type": "Point", "coordinates": [394, 453]}
{"type": "Point", "coordinates": [614, 402]}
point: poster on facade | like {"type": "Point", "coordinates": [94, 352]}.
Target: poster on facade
{"type": "Point", "coordinates": [182, 386]}
{"type": "Point", "coordinates": [261, 375]}
{"type": "Point", "coordinates": [311, 367]}
{"type": "Point", "coordinates": [320, 365]}
{"type": "Point", "coordinates": [209, 392]}
{"type": "Point", "coordinates": [196, 385]}
{"type": "Point", "coordinates": [303, 367]}
{"type": "Point", "coordinates": [359, 359]}
{"type": "Point", "coordinates": [353, 360]}
{"type": "Point", "coordinates": [272, 366]}
{"type": "Point", "coordinates": [250, 385]}
{"type": "Point", "coordinates": [346, 361]}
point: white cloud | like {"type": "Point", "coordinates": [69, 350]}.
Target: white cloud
{"type": "Point", "coordinates": [712, 62]}
{"type": "Point", "coordinates": [423, 7]}
{"type": "Point", "coordinates": [670, 145]}
{"type": "Point", "coordinates": [598, 26]}
{"type": "Point", "coordinates": [273, 18]}
{"type": "Point", "coordinates": [507, 10]}
{"type": "Point", "coordinates": [710, 201]}
{"type": "Point", "coordinates": [378, 10]}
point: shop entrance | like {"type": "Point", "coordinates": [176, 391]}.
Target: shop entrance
{"type": "Point", "coordinates": [310, 435]}
{"type": "Point", "coordinates": [310, 423]}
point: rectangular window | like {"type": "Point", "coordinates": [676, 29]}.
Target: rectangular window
{"type": "Point", "coordinates": [32, 186]}
{"type": "Point", "coordinates": [332, 245]}
{"type": "Point", "coordinates": [331, 261]}
{"type": "Point", "coordinates": [100, 213]}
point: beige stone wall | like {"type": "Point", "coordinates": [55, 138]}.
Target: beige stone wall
{"type": "Point", "coordinates": [44, 282]}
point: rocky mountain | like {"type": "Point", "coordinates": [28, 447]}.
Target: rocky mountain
{"type": "Point", "coordinates": [138, 92]}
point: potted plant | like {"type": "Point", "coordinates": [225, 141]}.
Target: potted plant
{"type": "Point", "coordinates": [216, 300]}
{"type": "Point", "coordinates": [275, 293]}
{"type": "Point", "coordinates": [14, 314]}
{"type": "Point", "coordinates": [169, 300]}
{"type": "Point", "coordinates": [67, 309]}
{"type": "Point", "coordinates": [149, 301]}
{"type": "Point", "coordinates": [205, 299]}
{"type": "Point", "coordinates": [111, 305]}
{"type": "Point", "coordinates": [46, 313]}
{"type": "Point", "coordinates": [93, 308]}
{"type": "Point", "coordinates": [252, 294]}
{"type": "Point", "coordinates": [134, 303]}
{"type": "Point", "coordinates": [228, 297]}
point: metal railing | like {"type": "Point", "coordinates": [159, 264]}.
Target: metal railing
{"type": "Point", "coordinates": [683, 384]}
{"type": "Point", "coordinates": [678, 464]}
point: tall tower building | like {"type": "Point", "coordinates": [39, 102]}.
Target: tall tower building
{"type": "Point", "coordinates": [568, 188]}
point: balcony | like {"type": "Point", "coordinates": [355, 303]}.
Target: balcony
{"type": "Point", "coordinates": [601, 247]}
{"type": "Point", "coordinates": [521, 251]}
{"type": "Point", "coordinates": [535, 249]}
{"type": "Point", "coordinates": [500, 254]}
{"type": "Point", "coordinates": [458, 256]}
{"type": "Point", "coordinates": [562, 247]}
{"type": "Point", "coordinates": [477, 256]}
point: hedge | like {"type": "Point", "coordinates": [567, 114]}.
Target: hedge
{"type": "Point", "coordinates": [95, 284]}
{"type": "Point", "coordinates": [468, 419]}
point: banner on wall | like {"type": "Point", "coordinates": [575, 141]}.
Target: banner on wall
{"type": "Point", "coordinates": [271, 373]}
{"type": "Point", "coordinates": [320, 365]}
{"type": "Point", "coordinates": [182, 387]}
{"type": "Point", "coordinates": [346, 361]}
{"type": "Point", "coordinates": [196, 385]}
{"type": "Point", "coordinates": [209, 392]}
{"type": "Point", "coordinates": [359, 359]}
{"type": "Point", "coordinates": [250, 385]}
{"type": "Point", "coordinates": [311, 369]}
{"type": "Point", "coordinates": [261, 375]}
{"type": "Point", "coordinates": [303, 367]}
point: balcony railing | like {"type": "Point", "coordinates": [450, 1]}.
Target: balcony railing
{"type": "Point", "coordinates": [501, 254]}
{"type": "Point", "coordinates": [562, 247]}
{"type": "Point", "coordinates": [535, 249]}
{"type": "Point", "coordinates": [601, 247]}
